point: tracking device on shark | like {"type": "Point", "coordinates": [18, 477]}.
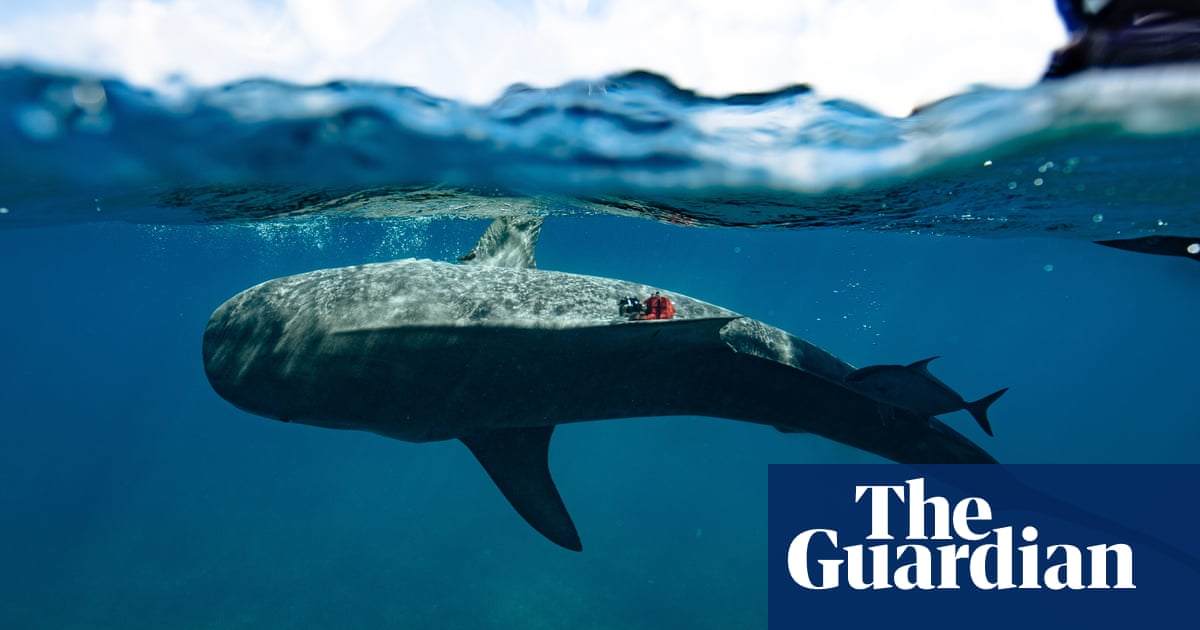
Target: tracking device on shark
{"type": "Point", "coordinates": [423, 351]}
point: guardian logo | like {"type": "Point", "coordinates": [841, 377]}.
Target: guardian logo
{"type": "Point", "coordinates": [946, 543]}
{"type": "Point", "coordinates": [994, 546]}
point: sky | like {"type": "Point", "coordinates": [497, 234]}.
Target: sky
{"type": "Point", "coordinates": [887, 55]}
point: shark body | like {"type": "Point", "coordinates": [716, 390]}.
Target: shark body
{"type": "Point", "coordinates": [497, 356]}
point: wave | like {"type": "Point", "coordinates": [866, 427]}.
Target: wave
{"type": "Point", "coordinates": [1099, 155]}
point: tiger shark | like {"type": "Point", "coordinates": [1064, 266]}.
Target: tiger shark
{"type": "Point", "coordinates": [496, 353]}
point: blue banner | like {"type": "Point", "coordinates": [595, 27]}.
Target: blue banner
{"type": "Point", "coordinates": [982, 546]}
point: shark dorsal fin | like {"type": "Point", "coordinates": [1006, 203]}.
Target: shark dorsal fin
{"type": "Point", "coordinates": [922, 366]}
{"type": "Point", "coordinates": [517, 460]}
{"type": "Point", "coordinates": [508, 242]}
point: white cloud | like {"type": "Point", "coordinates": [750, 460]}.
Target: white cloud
{"type": "Point", "coordinates": [341, 29]}
{"type": "Point", "coordinates": [886, 54]}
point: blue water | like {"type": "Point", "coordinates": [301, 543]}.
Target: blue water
{"type": "Point", "coordinates": [133, 496]}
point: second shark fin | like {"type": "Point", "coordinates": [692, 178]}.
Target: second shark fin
{"type": "Point", "coordinates": [517, 460]}
{"type": "Point", "coordinates": [508, 242]}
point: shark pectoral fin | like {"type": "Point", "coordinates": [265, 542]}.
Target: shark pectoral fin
{"type": "Point", "coordinates": [887, 413]}
{"type": "Point", "coordinates": [517, 460]}
{"type": "Point", "coordinates": [978, 410]}
{"type": "Point", "coordinates": [922, 365]}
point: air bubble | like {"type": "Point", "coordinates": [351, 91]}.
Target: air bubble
{"type": "Point", "coordinates": [1193, 249]}
{"type": "Point", "coordinates": [1012, 185]}
{"type": "Point", "coordinates": [1038, 182]}
{"type": "Point", "coordinates": [90, 97]}
{"type": "Point", "coordinates": [1097, 218]}
{"type": "Point", "coordinates": [38, 123]}
{"type": "Point", "coordinates": [1047, 267]}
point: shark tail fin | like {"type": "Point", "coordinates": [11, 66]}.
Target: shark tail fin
{"type": "Point", "coordinates": [978, 410]}
{"type": "Point", "coordinates": [517, 460]}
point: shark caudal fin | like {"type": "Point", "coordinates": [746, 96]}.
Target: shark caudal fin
{"type": "Point", "coordinates": [517, 460]}
{"type": "Point", "coordinates": [978, 410]}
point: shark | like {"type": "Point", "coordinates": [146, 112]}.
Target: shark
{"type": "Point", "coordinates": [496, 353]}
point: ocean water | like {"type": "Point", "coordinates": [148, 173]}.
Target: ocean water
{"type": "Point", "coordinates": [133, 496]}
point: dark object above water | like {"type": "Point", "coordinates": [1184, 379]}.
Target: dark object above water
{"type": "Point", "coordinates": [1126, 34]}
{"type": "Point", "coordinates": [1183, 246]}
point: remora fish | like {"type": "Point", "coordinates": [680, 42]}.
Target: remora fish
{"type": "Point", "coordinates": [497, 356]}
{"type": "Point", "coordinates": [914, 389]}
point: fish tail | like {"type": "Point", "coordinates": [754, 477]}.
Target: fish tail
{"type": "Point", "coordinates": [978, 410]}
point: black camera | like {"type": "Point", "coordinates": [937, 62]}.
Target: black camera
{"type": "Point", "coordinates": [628, 306]}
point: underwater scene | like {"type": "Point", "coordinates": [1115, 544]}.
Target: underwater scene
{"type": "Point", "coordinates": [1042, 239]}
